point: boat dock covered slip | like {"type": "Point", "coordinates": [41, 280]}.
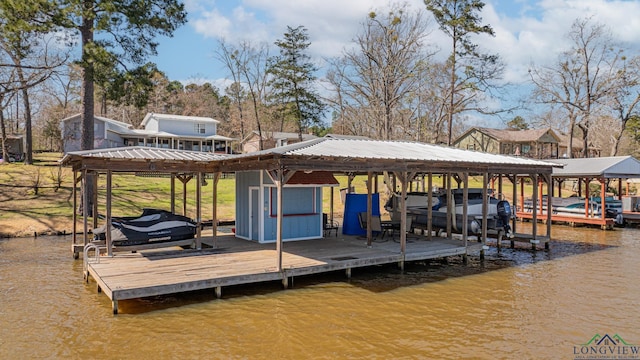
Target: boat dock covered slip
{"type": "Point", "coordinates": [585, 171]}
{"type": "Point", "coordinates": [142, 274]}
{"type": "Point", "coordinates": [404, 160]}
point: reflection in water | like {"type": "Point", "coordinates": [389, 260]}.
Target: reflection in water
{"type": "Point", "coordinates": [518, 303]}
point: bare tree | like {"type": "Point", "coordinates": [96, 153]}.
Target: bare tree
{"type": "Point", "coordinates": [249, 64]}
{"type": "Point", "coordinates": [582, 80]}
{"type": "Point", "coordinates": [374, 79]}
{"type": "Point", "coordinates": [625, 98]}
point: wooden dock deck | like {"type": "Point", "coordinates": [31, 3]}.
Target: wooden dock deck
{"type": "Point", "coordinates": [605, 224]}
{"type": "Point", "coordinates": [236, 261]}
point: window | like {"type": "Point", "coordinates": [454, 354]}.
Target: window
{"type": "Point", "coordinates": [471, 146]}
{"type": "Point", "coordinates": [200, 129]}
{"type": "Point", "coordinates": [526, 148]}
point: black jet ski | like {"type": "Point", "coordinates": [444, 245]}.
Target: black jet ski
{"type": "Point", "coordinates": [153, 226]}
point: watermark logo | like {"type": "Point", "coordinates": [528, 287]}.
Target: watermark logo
{"type": "Point", "coordinates": [606, 347]}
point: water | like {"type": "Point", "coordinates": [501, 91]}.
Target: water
{"type": "Point", "coordinates": [518, 304]}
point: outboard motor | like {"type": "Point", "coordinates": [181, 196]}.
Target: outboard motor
{"type": "Point", "coordinates": [504, 214]}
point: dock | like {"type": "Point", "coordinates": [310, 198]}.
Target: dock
{"type": "Point", "coordinates": [604, 224]}
{"type": "Point", "coordinates": [131, 275]}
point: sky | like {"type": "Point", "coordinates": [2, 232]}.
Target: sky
{"type": "Point", "coordinates": [526, 31]}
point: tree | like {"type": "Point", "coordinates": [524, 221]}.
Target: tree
{"type": "Point", "coordinates": [518, 123]}
{"type": "Point", "coordinates": [292, 80]}
{"type": "Point", "coordinates": [126, 30]}
{"type": "Point", "coordinates": [625, 98]}
{"type": "Point", "coordinates": [582, 80]}
{"type": "Point", "coordinates": [250, 63]}
{"type": "Point", "coordinates": [373, 82]}
{"type": "Point", "coordinates": [30, 60]}
{"type": "Point", "coordinates": [469, 70]}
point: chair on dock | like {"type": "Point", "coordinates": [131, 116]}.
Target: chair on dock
{"type": "Point", "coordinates": [329, 225]}
{"type": "Point", "coordinates": [376, 224]}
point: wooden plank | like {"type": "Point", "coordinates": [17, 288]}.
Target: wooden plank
{"type": "Point", "coordinates": [151, 273]}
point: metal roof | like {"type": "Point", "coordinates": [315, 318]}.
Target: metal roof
{"type": "Point", "coordinates": [607, 167]}
{"type": "Point", "coordinates": [388, 154]}
{"type": "Point", "coordinates": [130, 157]}
{"type": "Point", "coordinates": [395, 150]}
{"type": "Point", "coordinates": [330, 154]}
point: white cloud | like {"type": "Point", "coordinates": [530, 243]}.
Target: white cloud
{"type": "Point", "coordinates": [527, 31]}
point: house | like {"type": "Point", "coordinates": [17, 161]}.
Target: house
{"type": "Point", "coordinates": [106, 132]}
{"type": "Point", "coordinates": [577, 147]}
{"type": "Point", "coordinates": [156, 130]}
{"type": "Point", "coordinates": [271, 139]}
{"type": "Point", "coordinates": [535, 143]}
{"type": "Point", "coordinates": [15, 147]}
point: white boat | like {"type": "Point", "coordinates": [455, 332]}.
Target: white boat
{"type": "Point", "coordinates": [575, 207]}
{"type": "Point", "coordinates": [498, 211]}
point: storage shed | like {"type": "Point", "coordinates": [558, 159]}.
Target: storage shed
{"type": "Point", "coordinates": [256, 205]}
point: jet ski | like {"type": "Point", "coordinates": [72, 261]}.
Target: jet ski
{"type": "Point", "coordinates": [153, 226]}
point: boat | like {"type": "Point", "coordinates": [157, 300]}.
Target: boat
{"type": "Point", "coordinates": [152, 226]}
{"type": "Point", "coordinates": [498, 211]}
{"type": "Point", "coordinates": [574, 206]}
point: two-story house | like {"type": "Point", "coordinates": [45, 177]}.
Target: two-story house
{"type": "Point", "coordinates": [536, 143]}
{"type": "Point", "coordinates": [156, 130]}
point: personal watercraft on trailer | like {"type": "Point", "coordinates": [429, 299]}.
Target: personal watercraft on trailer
{"type": "Point", "coordinates": [153, 226]}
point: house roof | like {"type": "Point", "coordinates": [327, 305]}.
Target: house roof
{"type": "Point", "coordinates": [506, 135]}
{"type": "Point", "coordinates": [142, 133]}
{"type": "Point", "coordinates": [607, 167]}
{"type": "Point", "coordinates": [341, 136]}
{"type": "Point", "coordinates": [200, 119]}
{"type": "Point", "coordinates": [279, 135]}
{"type": "Point", "coordinates": [117, 123]}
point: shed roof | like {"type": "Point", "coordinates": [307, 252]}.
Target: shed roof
{"type": "Point", "coordinates": [607, 167]}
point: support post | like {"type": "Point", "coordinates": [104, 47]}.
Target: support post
{"type": "Point", "coordinates": [534, 225]}
{"type": "Point", "coordinates": [74, 226]}
{"type": "Point", "coordinates": [465, 213]}
{"type": "Point", "coordinates": [214, 209]}
{"type": "Point", "coordinates": [430, 206]}
{"type": "Point", "coordinates": [199, 211]}
{"type": "Point", "coordinates": [450, 205]}
{"type": "Point", "coordinates": [279, 184]}
{"type": "Point", "coordinates": [173, 193]}
{"type": "Point", "coordinates": [85, 207]}
{"type": "Point", "coordinates": [94, 202]}
{"type": "Point", "coordinates": [485, 206]}
{"type": "Point", "coordinates": [369, 209]}
{"type": "Point", "coordinates": [108, 239]}
{"type": "Point", "coordinates": [218, 292]}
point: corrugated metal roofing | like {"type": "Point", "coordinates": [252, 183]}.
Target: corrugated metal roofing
{"type": "Point", "coordinates": [608, 167]}
{"type": "Point", "coordinates": [142, 153]}
{"type": "Point", "coordinates": [395, 150]}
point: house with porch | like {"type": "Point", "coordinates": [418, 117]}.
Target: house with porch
{"type": "Point", "coordinates": [534, 143]}
{"type": "Point", "coordinates": [166, 131]}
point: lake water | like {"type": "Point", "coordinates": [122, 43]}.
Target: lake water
{"type": "Point", "coordinates": [516, 305]}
